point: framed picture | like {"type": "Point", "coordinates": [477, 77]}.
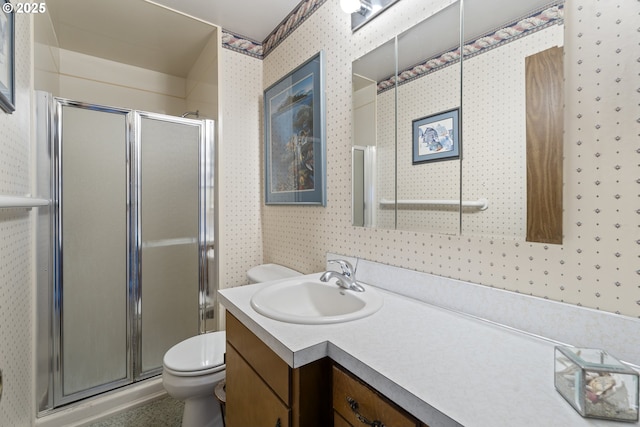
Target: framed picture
{"type": "Point", "coordinates": [7, 50]}
{"type": "Point", "coordinates": [436, 137]}
{"type": "Point", "coordinates": [294, 117]}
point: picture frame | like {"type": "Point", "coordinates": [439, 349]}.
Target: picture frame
{"type": "Point", "coordinates": [436, 137]}
{"type": "Point", "coordinates": [294, 136]}
{"type": "Point", "coordinates": [7, 58]}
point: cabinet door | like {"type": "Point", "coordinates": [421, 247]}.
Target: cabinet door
{"type": "Point", "coordinates": [269, 366]}
{"type": "Point", "coordinates": [250, 402]}
{"type": "Point", "coordinates": [352, 398]}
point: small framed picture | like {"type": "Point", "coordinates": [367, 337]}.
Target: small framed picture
{"type": "Point", "coordinates": [436, 137]}
{"type": "Point", "coordinates": [7, 96]}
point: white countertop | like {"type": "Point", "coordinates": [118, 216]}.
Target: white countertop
{"type": "Point", "coordinates": [445, 368]}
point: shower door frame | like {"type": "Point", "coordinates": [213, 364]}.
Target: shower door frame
{"type": "Point", "coordinates": [132, 146]}
{"type": "Point", "coordinates": [205, 139]}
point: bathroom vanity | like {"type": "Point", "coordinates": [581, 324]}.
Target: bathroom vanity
{"type": "Point", "coordinates": [263, 390]}
{"type": "Point", "coordinates": [424, 364]}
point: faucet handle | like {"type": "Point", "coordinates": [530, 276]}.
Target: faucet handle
{"type": "Point", "coordinates": [345, 266]}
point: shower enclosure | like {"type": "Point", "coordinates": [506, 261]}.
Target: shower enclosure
{"type": "Point", "coordinates": [132, 231]}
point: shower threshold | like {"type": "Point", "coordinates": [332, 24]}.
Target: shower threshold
{"type": "Point", "coordinates": [94, 409]}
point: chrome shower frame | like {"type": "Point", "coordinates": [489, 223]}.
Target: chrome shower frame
{"type": "Point", "coordinates": [49, 294]}
{"type": "Point", "coordinates": [205, 140]}
{"type": "Point", "coordinates": [59, 398]}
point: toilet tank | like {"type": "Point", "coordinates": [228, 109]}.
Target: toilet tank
{"type": "Point", "coordinates": [268, 272]}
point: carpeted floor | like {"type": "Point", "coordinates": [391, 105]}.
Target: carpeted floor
{"type": "Point", "coordinates": [164, 412]}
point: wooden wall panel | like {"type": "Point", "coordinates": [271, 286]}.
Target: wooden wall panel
{"type": "Point", "coordinates": [544, 88]}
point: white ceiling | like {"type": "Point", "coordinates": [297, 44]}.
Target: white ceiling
{"type": "Point", "coordinates": [151, 35]}
{"type": "Point", "coordinates": [254, 19]}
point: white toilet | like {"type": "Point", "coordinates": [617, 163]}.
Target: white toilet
{"type": "Point", "coordinates": [191, 370]}
{"type": "Point", "coordinates": [269, 272]}
{"type": "Point", "coordinates": [193, 367]}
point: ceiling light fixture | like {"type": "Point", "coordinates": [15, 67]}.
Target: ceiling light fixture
{"type": "Point", "coordinates": [350, 6]}
{"type": "Point", "coordinates": [362, 11]}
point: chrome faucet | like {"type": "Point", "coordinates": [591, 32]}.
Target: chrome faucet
{"type": "Point", "coordinates": [346, 279]}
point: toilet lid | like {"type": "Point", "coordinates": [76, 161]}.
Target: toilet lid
{"type": "Point", "coordinates": [199, 353]}
{"type": "Point", "coordinates": [268, 272]}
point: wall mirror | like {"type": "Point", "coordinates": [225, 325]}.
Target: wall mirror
{"type": "Point", "coordinates": [505, 161]}
{"type": "Point", "coordinates": [402, 88]}
{"type": "Point", "coordinates": [401, 82]}
{"type": "Point", "coordinates": [373, 150]}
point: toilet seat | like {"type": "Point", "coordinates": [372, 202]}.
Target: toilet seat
{"type": "Point", "coordinates": [198, 355]}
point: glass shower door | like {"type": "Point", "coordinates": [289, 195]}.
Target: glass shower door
{"type": "Point", "coordinates": [133, 223]}
{"type": "Point", "coordinates": [91, 294]}
{"type": "Point", "coordinates": [170, 215]}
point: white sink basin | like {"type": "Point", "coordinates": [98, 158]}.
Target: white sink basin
{"type": "Point", "coordinates": [309, 301]}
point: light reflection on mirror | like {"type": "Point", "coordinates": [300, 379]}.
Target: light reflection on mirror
{"type": "Point", "coordinates": [364, 151]}
{"type": "Point", "coordinates": [373, 135]}
{"type": "Point", "coordinates": [493, 165]}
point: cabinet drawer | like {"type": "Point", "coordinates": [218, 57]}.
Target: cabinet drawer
{"type": "Point", "coordinates": [338, 421]}
{"type": "Point", "coordinates": [370, 404]}
{"type": "Point", "coordinates": [273, 370]}
{"type": "Point", "coordinates": [249, 401]}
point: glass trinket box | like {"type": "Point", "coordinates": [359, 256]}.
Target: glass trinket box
{"type": "Point", "coordinates": [596, 384]}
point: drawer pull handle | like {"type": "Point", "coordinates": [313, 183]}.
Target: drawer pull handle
{"type": "Point", "coordinates": [353, 404]}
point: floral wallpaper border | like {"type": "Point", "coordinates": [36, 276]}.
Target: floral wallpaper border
{"type": "Point", "coordinates": [259, 50]}
{"type": "Point", "coordinates": [537, 21]}
{"type": "Point", "coordinates": [241, 44]}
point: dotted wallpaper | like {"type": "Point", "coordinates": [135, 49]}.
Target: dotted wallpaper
{"type": "Point", "coordinates": [16, 244]}
{"type": "Point", "coordinates": [422, 97]}
{"type": "Point", "coordinates": [385, 150]}
{"type": "Point", "coordinates": [240, 159]}
{"type": "Point", "coordinates": [597, 266]}
{"type": "Point", "coordinates": [494, 121]}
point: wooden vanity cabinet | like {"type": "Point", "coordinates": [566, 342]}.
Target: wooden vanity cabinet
{"type": "Point", "coordinates": [263, 391]}
{"type": "Point", "coordinates": [353, 399]}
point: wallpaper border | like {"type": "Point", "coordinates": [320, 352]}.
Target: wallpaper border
{"type": "Point", "coordinates": [259, 50]}
{"type": "Point", "coordinates": [536, 21]}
